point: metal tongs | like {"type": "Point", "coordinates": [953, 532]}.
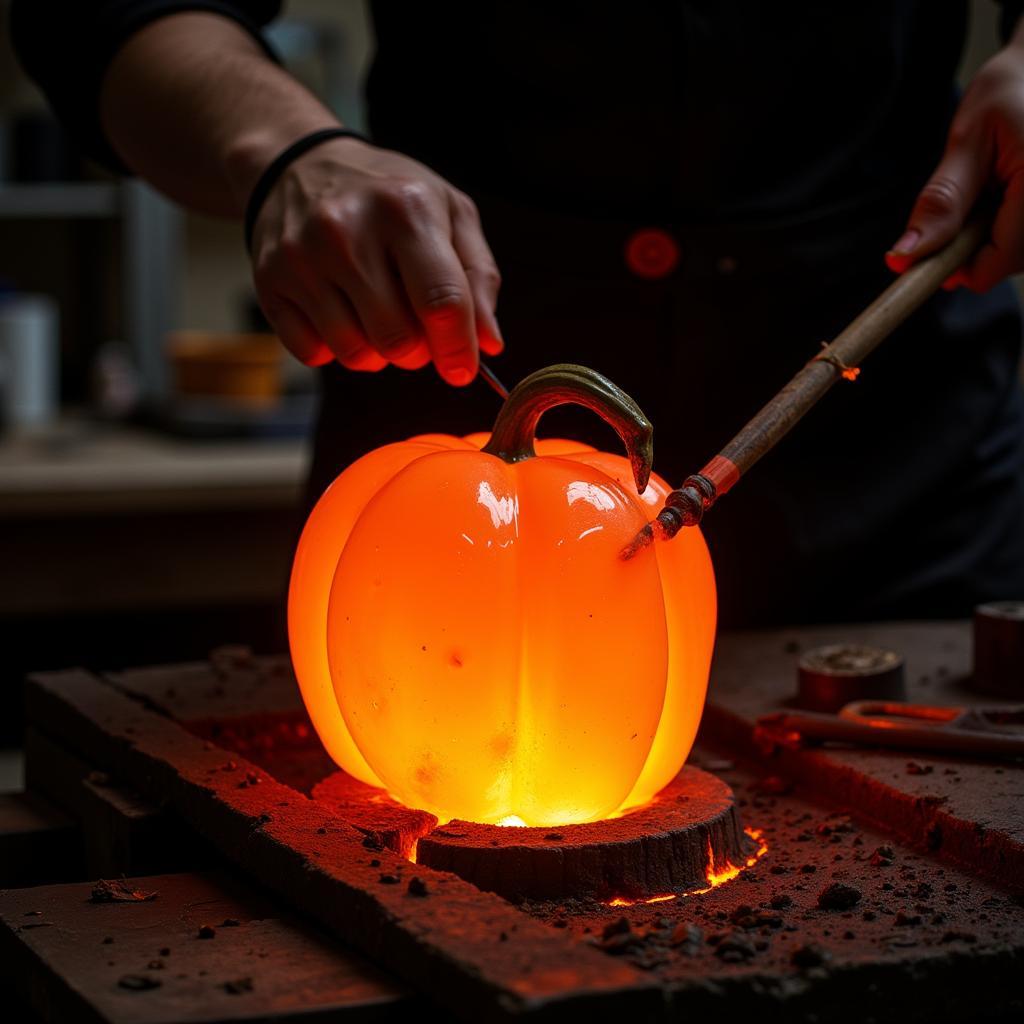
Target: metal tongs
{"type": "Point", "coordinates": [991, 731]}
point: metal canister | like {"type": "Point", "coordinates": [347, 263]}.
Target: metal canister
{"type": "Point", "coordinates": [835, 675]}
{"type": "Point", "coordinates": [999, 649]}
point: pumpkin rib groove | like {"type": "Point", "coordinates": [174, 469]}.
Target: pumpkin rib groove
{"type": "Point", "coordinates": [519, 729]}
{"type": "Point", "coordinates": [580, 736]}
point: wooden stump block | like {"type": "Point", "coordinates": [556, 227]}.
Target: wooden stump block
{"type": "Point", "coordinates": [667, 846]}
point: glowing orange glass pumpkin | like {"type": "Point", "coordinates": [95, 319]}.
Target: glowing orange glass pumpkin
{"type": "Point", "coordinates": [466, 635]}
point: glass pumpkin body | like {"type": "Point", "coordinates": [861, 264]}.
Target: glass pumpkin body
{"type": "Point", "coordinates": [466, 635]}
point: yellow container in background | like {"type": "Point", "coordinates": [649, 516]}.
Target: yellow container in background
{"type": "Point", "coordinates": [236, 368]}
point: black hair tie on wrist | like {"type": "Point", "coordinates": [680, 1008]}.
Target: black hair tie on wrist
{"type": "Point", "coordinates": [268, 179]}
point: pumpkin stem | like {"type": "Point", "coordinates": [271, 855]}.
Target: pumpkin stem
{"type": "Point", "coordinates": [513, 435]}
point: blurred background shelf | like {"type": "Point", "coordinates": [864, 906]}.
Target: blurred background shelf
{"type": "Point", "coordinates": [65, 200]}
{"type": "Point", "coordinates": [111, 255]}
{"type": "Point", "coordinates": [123, 543]}
{"type": "Point", "coordinates": [100, 520]}
{"type": "Point", "coordinates": [77, 469]}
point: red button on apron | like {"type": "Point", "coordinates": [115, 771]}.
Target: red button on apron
{"type": "Point", "coordinates": [651, 253]}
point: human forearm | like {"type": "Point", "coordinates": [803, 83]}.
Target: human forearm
{"type": "Point", "coordinates": [194, 105]}
{"type": "Point", "coordinates": [359, 254]}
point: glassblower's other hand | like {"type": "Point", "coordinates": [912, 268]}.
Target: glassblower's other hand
{"type": "Point", "coordinates": [363, 255]}
{"type": "Point", "coordinates": [984, 152]}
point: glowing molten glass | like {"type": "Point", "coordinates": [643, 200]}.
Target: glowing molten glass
{"type": "Point", "coordinates": [466, 635]}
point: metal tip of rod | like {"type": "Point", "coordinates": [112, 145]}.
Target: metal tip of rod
{"type": "Point", "coordinates": [642, 540]}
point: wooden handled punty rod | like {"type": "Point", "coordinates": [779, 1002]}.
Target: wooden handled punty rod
{"type": "Point", "coordinates": [687, 505]}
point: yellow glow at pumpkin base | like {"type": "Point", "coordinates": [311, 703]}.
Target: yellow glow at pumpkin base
{"type": "Point", "coordinates": [465, 634]}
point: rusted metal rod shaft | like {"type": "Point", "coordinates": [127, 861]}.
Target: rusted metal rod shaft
{"type": "Point", "coordinates": [491, 378]}
{"type": "Point", "coordinates": [686, 505]}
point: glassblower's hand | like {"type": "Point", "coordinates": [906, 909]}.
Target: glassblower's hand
{"type": "Point", "coordinates": [363, 255]}
{"type": "Point", "coordinates": [984, 151]}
